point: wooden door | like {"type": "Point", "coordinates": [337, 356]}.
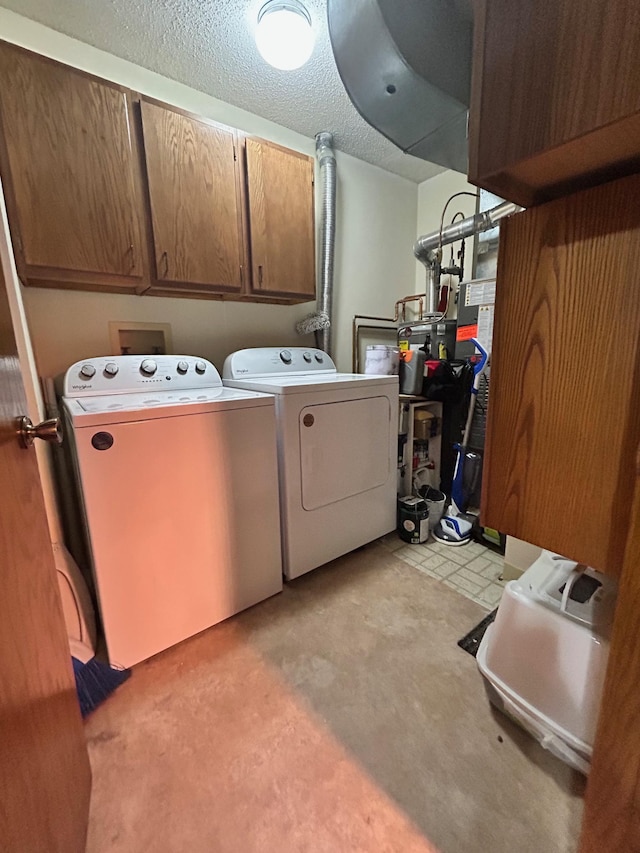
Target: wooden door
{"type": "Point", "coordinates": [71, 175]}
{"type": "Point", "coordinates": [45, 777]}
{"type": "Point", "coordinates": [281, 221]}
{"type": "Point", "coordinates": [195, 197]}
{"type": "Point", "coordinates": [564, 417]}
{"type": "Point", "coordinates": [612, 806]}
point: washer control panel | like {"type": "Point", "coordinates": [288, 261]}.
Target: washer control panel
{"type": "Point", "coordinates": [128, 373]}
{"type": "Point", "coordinates": [276, 361]}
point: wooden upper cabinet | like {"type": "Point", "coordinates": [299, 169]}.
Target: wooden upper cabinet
{"type": "Point", "coordinates": [281, 221]}
{"type": "Point", "coordinates": [71, 175]}
{"type": "Point", "coordinates": [564, 416]}
{"type": "Point", "coordinates": [555, 103]}
{"type": "Point", "coordinates": [195, 196]}
{"type": "Point", "coordinates": [106, 190]}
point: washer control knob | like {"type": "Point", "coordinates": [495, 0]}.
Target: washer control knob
{"type": "Point", "coordinates": [148, 367]}
{"type": "Point", "coordinates": [285, 356]}
{"type": "Point", "coordinates": [110, 368]}
{"type": "Point", "coordinates": [201, 367]}
{"type": "Point", "coordinates": [87, 371]}
{"type": "Point", "coordinates": [182, 367]}
{"type": "Point", "coordinates": [307, 357]}
{"type": "Point", "coordinates": [319, 357]}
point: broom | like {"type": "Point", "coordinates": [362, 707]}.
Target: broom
{"type": "Point", "coordinates": [95, 680]}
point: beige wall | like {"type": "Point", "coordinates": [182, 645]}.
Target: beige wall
{"type": "Point", "coordinates": [518, 557]}
{"type": "Point", "coordinates": [375, 233]}
{"type": "Point", "coordinates": [432, 197]}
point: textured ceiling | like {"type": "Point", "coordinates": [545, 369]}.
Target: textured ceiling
{"type": "Point", "coordinates": [208, 45]}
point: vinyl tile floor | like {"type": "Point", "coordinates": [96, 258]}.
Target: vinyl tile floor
{"type": "Point", "coordinates": [472, 570]}
{"type": "Point", "coordinates": [337, 717]}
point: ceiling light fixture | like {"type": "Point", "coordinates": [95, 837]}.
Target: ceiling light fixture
{"type": "Point", "coordinates": [284, 35]}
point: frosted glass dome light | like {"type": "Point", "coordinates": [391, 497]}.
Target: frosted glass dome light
{"type": "Point", "coordinates": [284, 35]}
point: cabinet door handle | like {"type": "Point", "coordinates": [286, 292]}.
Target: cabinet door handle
{"type": "Point", "coordinates": [132, 255]}
{"type": "Point", "coordinates": [259, 275]}
{"type": "Point", "coordinates": [164, 260]}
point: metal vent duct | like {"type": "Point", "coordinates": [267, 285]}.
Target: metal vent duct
{"type": "Point", "coordinates": [406, 65]}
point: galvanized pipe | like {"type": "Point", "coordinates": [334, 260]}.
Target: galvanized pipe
{"type": "Point", "coordinates": [424, 246]}
{"type": "Point", "coordinates": [428, 248]}
{"type": "Point", "coordinates": [327, 164]}
{"type": "Point", "coordinates": [433, 277]}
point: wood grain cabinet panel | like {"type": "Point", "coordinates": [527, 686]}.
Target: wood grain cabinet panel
{"type": "Point", "coordinates": [70, 171]}
{"type": "Point", "coordinates": [611, 816]}
{"type": "Point", "coordinates": [281, 221]}
{"type": "Point", "coordinates": [195, 198]}
{"type": "Point", "coordinates": [564, 418]}
{"type": "Point", "coordinates": [555, 103]}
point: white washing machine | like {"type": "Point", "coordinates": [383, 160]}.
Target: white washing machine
{"type": "Point", "coordinates": [337, 447]}
{"type": "Point", "coordinates": [180, 490]}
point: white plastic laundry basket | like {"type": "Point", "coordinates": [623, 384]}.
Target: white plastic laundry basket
{"type": "Point", "coordinates": [544, 658]}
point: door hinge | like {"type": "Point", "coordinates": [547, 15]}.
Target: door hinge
{"type": "Point", "coordinates": [235, 155]}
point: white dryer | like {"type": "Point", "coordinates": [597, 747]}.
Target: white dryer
{"type": "Point", "coordinates": [179, 482]}
{"type": "Point", "coordinates": [337, 448]}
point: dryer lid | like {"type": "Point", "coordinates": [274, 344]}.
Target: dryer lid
{"type": "Point", "coordinates": [305, 383]}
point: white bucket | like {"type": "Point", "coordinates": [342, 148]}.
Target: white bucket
{"type": "Point", "coordinates": [382, 360]}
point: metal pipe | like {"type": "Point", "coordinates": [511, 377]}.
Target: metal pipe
{"type": "Point", "coordinates": [428, 248]}
{"type": "Point", "coordinates": [327, 164]}
{"type": "Point", "coordinates": [433, 279]}
{"type": "Point", "coordinates": [419, 298]}
{"type": "Point", "coordinates": [424, 246]}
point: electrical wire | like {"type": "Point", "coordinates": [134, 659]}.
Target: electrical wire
{"type": "Point", "coordinates": [449, 286]}
{"type": "Point", "coordinates": [441, 316]}
{"type": "Point", "coordinates": [444, 210]}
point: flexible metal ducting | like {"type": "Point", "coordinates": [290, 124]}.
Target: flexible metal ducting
{"type": "Point", "coordinates": [319, 321]}
{"type": "Point", "coordinates": [406, 65]}
{"type": "Point", "coordinates": [327, 164]}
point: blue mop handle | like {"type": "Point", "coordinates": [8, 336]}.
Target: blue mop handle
{"type": "Point", "coordinates": [479, 366]}
{"type": "Point", "coordinates": [457, 492]}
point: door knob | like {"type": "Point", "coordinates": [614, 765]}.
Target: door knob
{"type": "Point", "coordinates": [50, 430]}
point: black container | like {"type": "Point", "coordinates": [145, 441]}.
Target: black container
{"type": "Point", "coordinates": [413, 520]}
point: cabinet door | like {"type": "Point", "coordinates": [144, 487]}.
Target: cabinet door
{"type": "Point", "coordinates": [564, 417]}
{"type": "Point", "coordinates": [281, 221]}
{"type": "Point", "coordinates": [194, 191]}
{"type": "Point", "coordinates": [555, 103]}
{"type": "Point", "coordinates": [610, 823]}
{"type": "Point", "coordinates": [71, 174]}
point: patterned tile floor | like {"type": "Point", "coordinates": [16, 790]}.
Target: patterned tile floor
{"type": "Point", "coordinates": [472, 570]}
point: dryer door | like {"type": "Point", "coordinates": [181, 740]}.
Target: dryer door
{"type": "Point", "coordinates": [344, 449]}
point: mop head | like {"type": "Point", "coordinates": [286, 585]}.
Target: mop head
{"type": "Point", "coordinates": [315, 322]}
{"type": "Point", "coordinates": [95, 681]}
{"type": "Point", "coordinates": [452, 531]}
